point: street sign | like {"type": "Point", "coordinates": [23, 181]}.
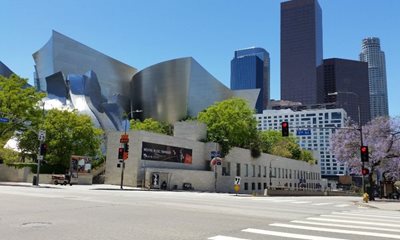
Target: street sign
{"type": "Point", "coordinates": [305, 132]}
{"type": "Point", "coordinates": [237, 181]}
{"type": "Point", "coordinates": [40, 157]}
{"type": "Point", "coordinates": [4, 120]}
{"type": "Point", "coordinates": [216, 161]}
{"type": "Point", "coordinates": [215, 154]}
{"type": "Point", "coordinates": [42, 135]}
{"type": "Point", "coordinates": [124, 138]}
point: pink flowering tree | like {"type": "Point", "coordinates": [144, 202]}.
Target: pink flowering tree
{"type": "Point", "coordinates": [381, 135]}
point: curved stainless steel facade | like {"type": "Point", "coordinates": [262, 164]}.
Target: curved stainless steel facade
{"type": "Point", "coordinates": [4, 70]}
{"type": "Point", "coordinates": [105, 88]}
{"type": "Point", "coordinates": [97, 84]}
{"type": "Point", "coordinates": [172, 90]}
{"type": "Point", "coordinates": [63, 54]}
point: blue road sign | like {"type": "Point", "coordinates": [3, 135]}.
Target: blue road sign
{"type": "Point", "coordinates": [303, 132]}
{"type": "Point", "coordinates": [4, 120]}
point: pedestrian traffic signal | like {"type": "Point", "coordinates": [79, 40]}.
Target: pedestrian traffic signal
{"type": "Point", "coordinates": [285, 129]}
{"type": "Point", "coordinates": [365, 171]}
{"type": "Point", "coordinates": [364, 154]}
{"type": "Point", "coordinates": [120, 153]}
{"type": "Point", "coordinates": [126, 147]}
{"type": "Point", "coordinates": [43, 149]}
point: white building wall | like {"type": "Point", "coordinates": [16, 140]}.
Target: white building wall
{"type": "Point", "coordinates": [321, 123]}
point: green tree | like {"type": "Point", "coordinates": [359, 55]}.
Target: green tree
{"type": "Point", "coordinates": [273, 143]}
{"type": "Point", "coordinates": [67, 133]}
{"type": "Point", "coordinates": [19, 103]}
{"type": "Point", "coordinates": [150, 125]}
{"type": "Point", "coordinates": [231, 124]}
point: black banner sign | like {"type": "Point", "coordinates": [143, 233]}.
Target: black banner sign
{"type": "Point", "coordinates": [164, 153]}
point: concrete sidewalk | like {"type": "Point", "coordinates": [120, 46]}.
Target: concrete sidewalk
{"type": "Point", "coordinates": [383, 204]}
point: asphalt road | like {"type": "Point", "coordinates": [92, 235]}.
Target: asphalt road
{"type": "Point", "coordinates": [105, 212]}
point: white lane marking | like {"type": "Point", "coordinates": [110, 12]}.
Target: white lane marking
{"type": "Point", "coordinates": [336, 230]}
{"type": "Point", "coordinates": [346, 226]}
{"type": "Point", "coordinates": [321, 204]}
{"type": "Point", "coordinates": [220, 237]}
{"type": "Point", "coordinates": [288, 235]}
{"type": "Point", "coordinates": [355, 218]}
{"type": "Point", "coordinates": [367, 215]}
{"type": "Point", "coordinates": [301, 202]}
{"type": "Point", "coordinates": [366, 222]}
{"type": "Point", "coordinates": [342, 205]}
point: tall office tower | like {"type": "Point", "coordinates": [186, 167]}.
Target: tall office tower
{"type": "Point", "coordinates": [301, 51]}
{"type": "Point", "coordinates": [349, 80]}
{"type": "Point", "coordinates": [250, 69]}
{"type": "Point", "coordinates": [372, 54]}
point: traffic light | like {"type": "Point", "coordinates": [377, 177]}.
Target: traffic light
{"type": "Point", "coordinates": [120, 153]}
{"type": "Point", "coordinates": [125, 156]}
{"type": "Point", "coordinates": [365, 171]}
{"type": "Point", "coordinates": [43, 149]}
{"type": "Point", "coordinates": [285, 129]}
{"type": "Point", "coordinates": [364, 154]}
{"type": "Point", "coordinates": [126, 147]}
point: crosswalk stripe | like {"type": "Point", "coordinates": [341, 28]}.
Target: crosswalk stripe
{"type": "Point", "coordinates": [345, 226]}
{"type": "Point", "coordinates": [366, 222]}
{"type": "Point", "coordinates": [355, 218]}
{"type": "Point", "coordinates": [288, 235]}
{"type": "Point", "coordinates": [321, 204]}
{"type": "Point", "coordinates": [220, 237]}
{"type": "Point", "coordinates": [342, 205]}
{"type": "Point", "coordinates": [367, 215]}
{"type": "Point", "coordinates": [336, 230]}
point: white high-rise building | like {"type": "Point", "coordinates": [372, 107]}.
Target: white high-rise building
{"type": "Point", "coordinates": [372, 54]}
{"type": "Point", "coordinates": [313, 128]}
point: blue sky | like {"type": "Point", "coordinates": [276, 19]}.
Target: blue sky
{"type": "Point", "coordinates": [142, 33]}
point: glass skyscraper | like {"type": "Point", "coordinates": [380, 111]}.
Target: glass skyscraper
{"type": "Point", "coordinates": [349, 79]}
{"type": "Point", "coordinates": [250, 69]}
{"type": "Point", "coordinates": [301, 51]}
{"type": "Point", "coordinates": [372, 54]}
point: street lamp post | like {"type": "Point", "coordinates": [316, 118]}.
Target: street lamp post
{"type": "Point", "coordinates": [41, 138]}
{"type": "Point", "coordinates": [359, 126]}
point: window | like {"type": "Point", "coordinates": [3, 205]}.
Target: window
{"type": "Point", "coordinates": [238, 169]}
{"type": "Point", "coordinates": [254, 170]}
{"type": "Point", "coordinates": [246, 173]}
{"type": "Point", "coordinates": [265, 171]}
{"type": "Point", "coordinates": [246, 186]}
{"type": "Point", "coordinates": [259, 171]}
{"type": "Point", "coordinates": [259, 186]}
{"type": "Point", "coordinates": [253, 186]}
{"type": "Point", "coordinates": [226, 170]}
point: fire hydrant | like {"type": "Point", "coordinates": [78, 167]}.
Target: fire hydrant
{"type": "Point", "coordinates": [365, 197]}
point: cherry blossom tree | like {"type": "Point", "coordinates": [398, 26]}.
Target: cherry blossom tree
{"type": "Point", "coordinates": [381, 135]}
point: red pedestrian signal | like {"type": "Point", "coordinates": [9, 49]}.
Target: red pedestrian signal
{"type": "Point", "coordinates": [120, 153]}
{"type": "Point", "coordinates": [365, 171]}
{"type": "Point", "coordinates": [364, 154]}
{"type": "Point", "coordinates": [285, 129]}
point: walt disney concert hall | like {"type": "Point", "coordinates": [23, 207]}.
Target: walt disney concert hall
{"type": "Point", "coordinates": [77, 76]}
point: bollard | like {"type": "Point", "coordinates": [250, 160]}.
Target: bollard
{"type": "Point", "coordinates": [365, 197]}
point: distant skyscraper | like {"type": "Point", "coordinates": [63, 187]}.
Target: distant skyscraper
{"type": "Point", "coordinates": [372, 54]}
{"type": "Point", "coordinates": [301, 51]}
{"type": "Point", "coordinates": [250, 69]}
{"type": "Point", "coordinates": [350, 80]}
